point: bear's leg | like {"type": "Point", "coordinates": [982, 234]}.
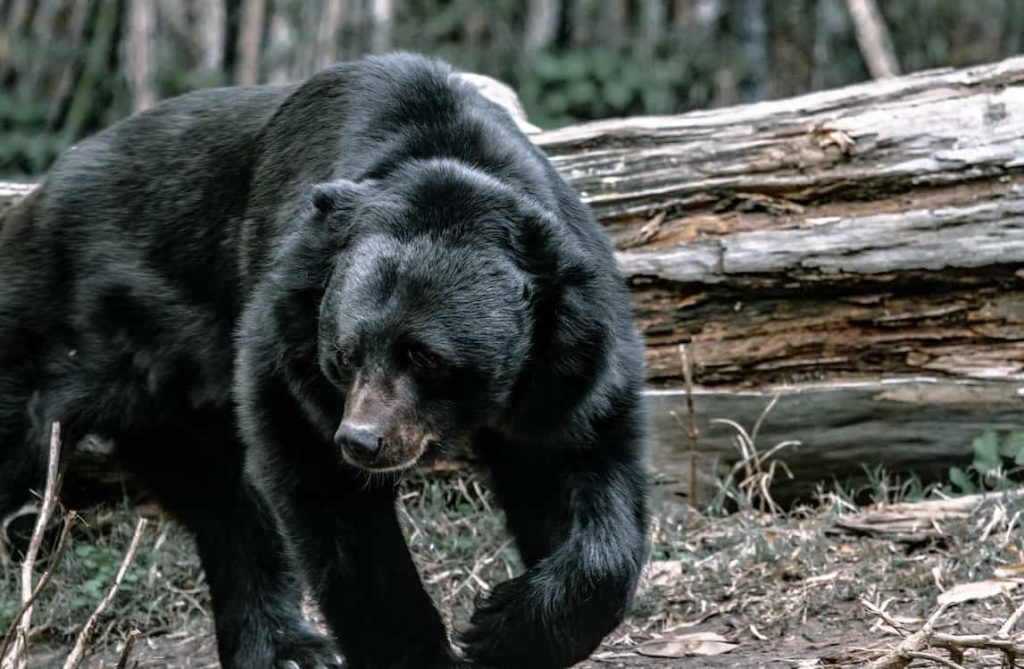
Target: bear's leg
{"type": "Point", "coordinates": [22, 455]}
{"type": "Point", "coordinates": [359, 565]}
{"type": "Point", "coordinates": [196, 475]}
{"type": "Point", "coordinates": [578, 515]}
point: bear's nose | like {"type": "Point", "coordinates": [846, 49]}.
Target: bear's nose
{"type": "Point", "coordinates": [361, 441]}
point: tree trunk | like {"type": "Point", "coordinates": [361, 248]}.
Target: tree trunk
{"type": "Point", "coordinates": [653, 21]}
{"type": "Point", "coordinates": [138, 53]}
{"type": "Point", "coordinates": [94, 67]}
{"type": "Point", "coordinates": [327, 33]}
{"type": "Point", "coordinates": [873, 38]}
{"type": "Point", "coordinates": [868, 230]}
{"type": "Point", "coordinates": [872, 235]}
{"type": "Point", "coordinates": [542, 18]}
{"type": "Point", "coordinates": [859, 252]}
{"type": "Point", "coordinates": [281, 52]}
{"type": "Point", "coordinates": [382, 17]}
{"type": "Point", "coordinates": [250, 39]}
{"type": "Point", "coordinates": [830, 23]}
{"type": "Point", "coordinates": [751, 26]}
{"type": "Point", "coordinates": [210, 24]}
{"type": "Point", "coordinates": [70, 70]}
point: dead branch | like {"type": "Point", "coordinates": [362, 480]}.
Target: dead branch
{"type": "Point", "coordinates": [17, 658]}
{"type": "Point", "coordinates": [58, 552]}
{"type": "Point", "coordinates": [917, 644]}
{"type": "Point", "coordinates": [917, 521]}
{"type": "Point", "coordinates": [82, 641]}
{"type": "Point", "coordinates": [129, 643]}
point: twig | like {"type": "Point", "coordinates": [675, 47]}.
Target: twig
{"type": "Point", "coordinates": [82, 641]}
{"type": "Point", "coordinates": [1011, 622]}
{"type": "Point", "coordinates": [17, 658]}
{"type": "Point", "coordinates": [914, 646]}
{"type": "Point", "coordinates": [978, 641]}
{"type": "Point", "coordinates": [937, 659]}
{"type": "Point", "coordinates": [901, 656]}
{"type": "Point", "coordinates": [129, 643]}
{"type": "Point", "coordinates": [691, 422]}
{"type": "Point", "coordinates": [58, 552]}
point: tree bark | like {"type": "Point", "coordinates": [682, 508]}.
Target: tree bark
{"type": "Point", "coordinates": [826, 246]}
{"type": "Point", "coordinates": [863, 231]}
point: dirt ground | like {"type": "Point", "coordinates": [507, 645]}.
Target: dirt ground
{"type": "Point", "coordinates": [743, 590]}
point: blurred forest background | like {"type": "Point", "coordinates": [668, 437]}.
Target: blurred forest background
{"type": "Point", "coordinates": [70, 67]}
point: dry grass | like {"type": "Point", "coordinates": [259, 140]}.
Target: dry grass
{"type": "Point", "coordinates": [783, 586]}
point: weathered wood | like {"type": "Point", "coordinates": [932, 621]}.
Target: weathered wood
{"type": "Point", "coordinates": [915, 522]}
{"type": "Point", "coordinates": [11, 192]}
{"type": "Point", "coordinates": [869, 230]}
{"type": "Point", "coordinates": [904, 425]}
{"type": "Point", "coordinates": [859, 142]}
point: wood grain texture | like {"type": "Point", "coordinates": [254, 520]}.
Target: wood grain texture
{"type": "Point", "coordinates": [876, 229]}
{"type": "Point", "coordinates": [920, 425]}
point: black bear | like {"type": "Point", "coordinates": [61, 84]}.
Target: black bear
{"type": "Point", "coordinates": [273, 299]}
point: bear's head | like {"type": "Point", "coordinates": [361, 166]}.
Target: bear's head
{"type": "Point", "coordinates": [434, 304]}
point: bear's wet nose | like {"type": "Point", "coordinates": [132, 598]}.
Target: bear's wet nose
{"type": "Point", "coordinates": [361, 441]}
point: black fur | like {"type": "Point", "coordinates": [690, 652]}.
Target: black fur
{"type": "Point", "coordinates": [207, 282]}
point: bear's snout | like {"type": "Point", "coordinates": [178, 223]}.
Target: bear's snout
{"type": "Point", "coordinates": [379, 430]}
{"type": "Point", "coordinates": [376, 449]}
{"type": "Point", "coordinates": [362, 443]}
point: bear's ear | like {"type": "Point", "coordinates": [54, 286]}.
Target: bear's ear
{"type": "Point", "coordinates": [340, 195]}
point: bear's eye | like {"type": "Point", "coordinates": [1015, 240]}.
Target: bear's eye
{"type": "Point", "coordinates": [344, 359]}
{"type": "Point", "coordinates": [423, 358]}
{"type": "Point", "coordinates": [338, 366]}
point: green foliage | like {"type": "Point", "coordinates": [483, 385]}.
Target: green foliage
{"type": "Point", "coordinates": [98, 565]}
{"type": "Point", "coordinates": [58, 89]}
{"type": "Point", "coordinates": [997, 459]}
{"type": "Point", "coordinates": [579, 84]}
{"type": "Point", "coordinates": [28, 146]}
{"type": "Point", "coordinates": [9, 607]}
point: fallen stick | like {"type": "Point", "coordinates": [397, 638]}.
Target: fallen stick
{"type": "Point", "coordinates": [129, 643]}
{"type": "Point", "coordinates": [17, 657]}
{"type": "Point", "coordinates": [82, 641]}
{"type": "Point", "coordinates": [58, 552]}
{"type": "Point", "coordinates": [916, 521]}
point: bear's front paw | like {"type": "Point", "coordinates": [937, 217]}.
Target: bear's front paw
{"type": "Point", "coordinates": [501, 631]}
{"type": "Point", "coordinates": [306, 649]}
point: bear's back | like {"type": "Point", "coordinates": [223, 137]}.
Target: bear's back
{"type": "Point", "coordinates": [164, 189]}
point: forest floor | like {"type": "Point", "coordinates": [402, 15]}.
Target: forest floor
{"type": "Point", "coordinates": [747, 589]}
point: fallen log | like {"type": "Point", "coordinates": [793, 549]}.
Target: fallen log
{"type": "Point", "coordinates": [920, 521]}
{"type": "Point", "coordinates": [870, 230]}
{"type": "Point", "coordinates": [859, 251]}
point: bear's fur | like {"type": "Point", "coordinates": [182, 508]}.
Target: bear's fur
{"type": "Point", "coordinates": [273, 298]}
